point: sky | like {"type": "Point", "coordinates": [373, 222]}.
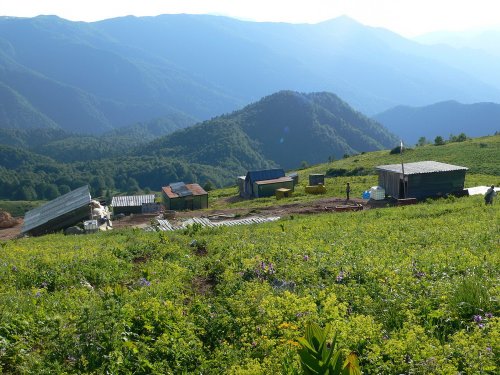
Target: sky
{"type": "Point", "coordinates": [405, 17]}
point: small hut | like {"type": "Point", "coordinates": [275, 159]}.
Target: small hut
{"type": "Point", "coordinates": [421, 180]}
{"type": "Point", "coordinates": [180, 196]}
{"type": "Point", "coordinates": [267, 188]}
{"type": "Point", "coordinates": [265, 182]}
{"type": "Point", "coordinates": [134, 204]}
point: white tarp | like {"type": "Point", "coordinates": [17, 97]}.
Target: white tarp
{"type": "Point", "coordinates": [480, 190]}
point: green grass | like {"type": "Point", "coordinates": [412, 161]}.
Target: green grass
{"type": "Point", "coordinates": [411, 289]}
{"type": "Point", "coordinates": [480, 155]}
{"type": "Point", "coordinates": [401, 285]}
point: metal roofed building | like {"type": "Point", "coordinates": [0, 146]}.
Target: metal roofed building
{"type": "Point", "coordinates": [255, 176]}
{"type": "Point", "coordinates": [267, 188]}
{"type": "Point", "coordinates": [180, 196]}
{"type": "Point", "coordinates": [421, 179]}
{"type": "Point", "coordinates": [60, 213]}
{"type": "Point", "coordinates": [134, 204]}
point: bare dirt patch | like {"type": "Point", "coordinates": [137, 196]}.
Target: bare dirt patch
{"type": "Point", "coordinates": [306, 208]}
{"type": "Point", "coordinates": [12, 232]}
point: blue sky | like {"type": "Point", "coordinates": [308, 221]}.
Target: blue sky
{"type": "Point", "coordinates": [406, 17]}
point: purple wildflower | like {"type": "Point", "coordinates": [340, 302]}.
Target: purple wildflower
{"type": "Point", "coordinates": [488, 315]}
{"type": "Point", "coordinates": [481, 325]}
{"type": "Point", "coordinates": [271, 269]}
{"type": "Point", "coordinates": [38, 294]}
{"type": "Point", "coordinates": [478, 318]}
{"type": "Point", "coordinates": [306, 258]}
{"type": "Point", "coordinates": [14, 269]}
{"type": "Point", "coordinates": [340, 277]}
{"type": "Point", "coordinates": [144, 282]}
{"type": "Point", "coordinates": [488, 349]}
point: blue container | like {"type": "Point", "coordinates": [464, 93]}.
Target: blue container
{"type": "Point", "coordinates": [366, 194]}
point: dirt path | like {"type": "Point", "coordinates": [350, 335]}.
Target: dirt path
{"type": "Point", "coordinates": [303, 208]}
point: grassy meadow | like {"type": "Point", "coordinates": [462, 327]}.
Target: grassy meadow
{"type": "Point", "coordinates": [412, 290]}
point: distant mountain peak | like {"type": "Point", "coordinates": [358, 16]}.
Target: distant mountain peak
{"type": "Point", "coordinates": [284, 128]}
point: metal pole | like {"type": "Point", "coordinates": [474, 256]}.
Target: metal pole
{"type": "Point", "coordinates": [402, 169]}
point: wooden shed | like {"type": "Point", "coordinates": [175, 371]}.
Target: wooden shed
{"type": "Point", "coordinates": [180, 196]}
{"type": "Point", "coordinates": [421, 180]}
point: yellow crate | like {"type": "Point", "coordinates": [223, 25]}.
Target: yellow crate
{"type": "Point", "coordinates": [316, 189]}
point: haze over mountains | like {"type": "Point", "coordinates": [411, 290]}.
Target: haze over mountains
{"type": "Point", "coordinates": [96, 77]}
{"type": "Point", "coordinates": [441, 119]}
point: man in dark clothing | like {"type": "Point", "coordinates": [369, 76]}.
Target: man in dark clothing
{"type": "Point", "coordinates": [347, 190]}
{"type": "Point", "coordinates": [490, 193]}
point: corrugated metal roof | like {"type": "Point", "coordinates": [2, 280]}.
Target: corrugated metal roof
{"type": "Point", "coordinates": [165, 225]}
{"type": "Point", "coordinates": [267, 174]}
{"type": "Point", "coordinates": [421, 167]}
{"type": "Point", "coordinates": [180, 189]}
{"type": "Point", "coordinates": [64, 204]}
{"type": "Point", "coordinates": [275, 181]}
{"type": "Point", "coordinates": [195, 189]}
{"type": "Point", "coordinates": [132, 200]}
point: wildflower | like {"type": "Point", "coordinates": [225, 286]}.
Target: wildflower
{"type": "Point", "coordinates": [14, 269]}
{"type": "Point", "coordinates": [478, 318]}
{"type": "Point", "coordinates": [38, 294]}
{"type": "Point", "coordinates": [44, 284]}
{"type": "Point", "coordinates": [481, 325]}
{"type": "Point", "coordinates": [306, 258]}
{"type": "Point", "coordinates": [340, 277]}
{"type": "Point", "coordinates": [488, 349]}
{"type": "Point", "coordinates": [488, 315]}
{"type": "Point", "coordinates": [143, 282]}
{"type": "Point", "coordinates": [271, 269]}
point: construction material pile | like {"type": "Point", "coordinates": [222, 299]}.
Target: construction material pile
{"type": "Point", "coordinates": [7, 221]}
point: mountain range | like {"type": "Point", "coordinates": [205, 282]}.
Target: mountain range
{"type": "Point", "coordinates": [441, 119]}
{"type": "Point", "coordinates": [287, 129]}
{"type": "Point", "coordinates": [96, 77]}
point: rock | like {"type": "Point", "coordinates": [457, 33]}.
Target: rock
{"type": "Point", "coordinates": [74, 230]}
{"type": "Point", "coordinates": [7, 221]}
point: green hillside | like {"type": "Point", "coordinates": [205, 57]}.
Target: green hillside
{"type": "Point", "coordinates": [283, 129]}
{"type": "Point", "coordinates": [410, 289]}
{"type": "Point", "coordinates": [480, 155]}
{"type": "Point", "coordinates": [26, 175]}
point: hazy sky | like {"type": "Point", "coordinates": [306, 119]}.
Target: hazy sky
{"type": "Point", "coordinates": [406, 17]}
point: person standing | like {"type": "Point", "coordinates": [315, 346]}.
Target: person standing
{"type": "Point", "coordinates": [347, 190]}
{"type": "Point", "coordinates": [490, 193]}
